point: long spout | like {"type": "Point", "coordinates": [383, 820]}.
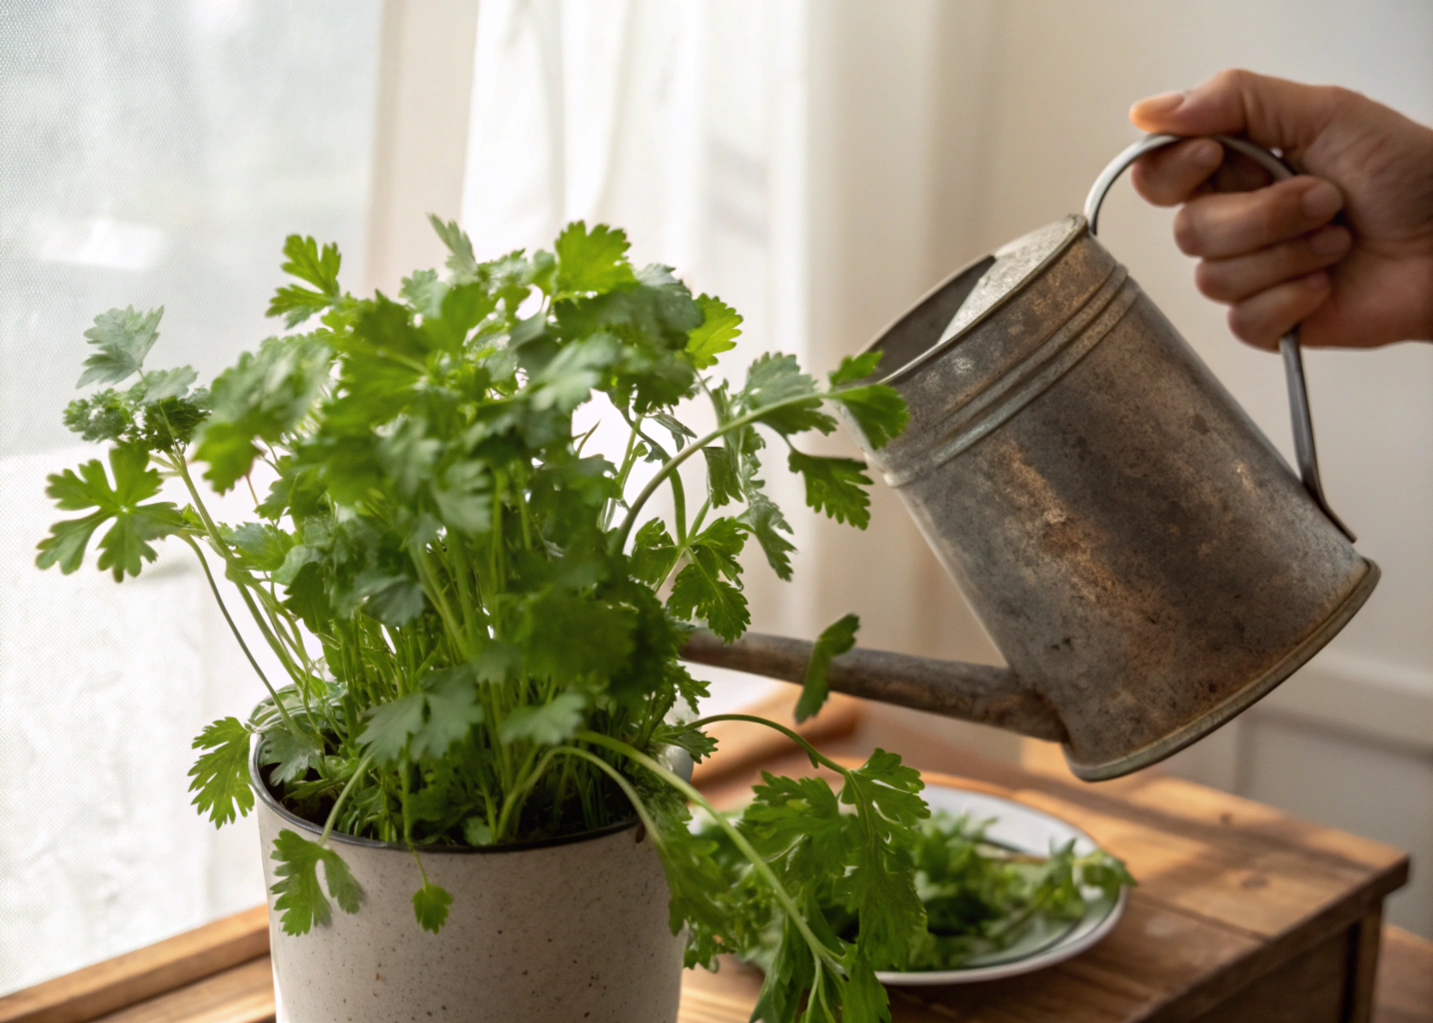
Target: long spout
{"type": "Point", "coordinates": [955, 689]}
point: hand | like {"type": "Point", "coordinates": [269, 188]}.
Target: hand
{"type": "Point", "coordinates": [1281, 254]}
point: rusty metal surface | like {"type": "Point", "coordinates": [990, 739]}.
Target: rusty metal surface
{"type": "Point", "coordinates": [1140, 553]}
{"type": "Point", "coordinates": [973, 692]}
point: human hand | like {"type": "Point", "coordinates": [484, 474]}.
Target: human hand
{"type": "Point", "coordinates": [1280, 254]}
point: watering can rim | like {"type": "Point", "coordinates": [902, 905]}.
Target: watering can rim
{"type": "Point", "coordinates": [1077, 226]}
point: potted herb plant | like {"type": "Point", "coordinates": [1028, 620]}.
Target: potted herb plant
{"type": "Point", "coordinates": [473, 746]}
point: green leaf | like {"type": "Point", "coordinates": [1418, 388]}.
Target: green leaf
{"type": "Point", "coordinates": [722, 483]}
{"type": "Point", "coordinates": [765, 522]}
{"type": "Point", "coordinates": [567, 381]}
{"type": "Point", "coordinates": [295, 754]}
{"type": "Point", "coordinates": [885, 794]}
{"type": "Point", "coordinates": [125, 547]}
{"type": "Point", "coordinates": [168, 383]}
{"type": "Point", "coordinates": [700, 592]}
{"type": "Point", "coordinates": [264, 548]}
{"type": "Point", "coordinates": [879, 411]}
{"type": "Point", "coordinates": [548, 724]}
{"type": "Point", "coordinates": [720, 327]}
{"type": "Point", "coordinates": [220, 777]}
{"type": "Point", "coordinates": [834, 486]}
{"type": "Point", "coordinates": [477, 831]}
{"type": "Point", "coordinates": [123, 337]}
{"type": "Point", "coordinates": [591, 262]}
{"type": "Point", "coordinates": [424, 292]}
{"type": "Point", "coordinates": [430, 906]}
{"type": "Point", "coordinates": [426, 723]}
{"type": "Point", "coordinates": [308, 264]}
{"type": "Point", "coordinates": [301, 901]}
{"type": "Point", "coordinates": [775, 380]}
{"type": "Point", "coordinates": [854, 368]}
{"type": "Point", "coordinates": [837, 638]}
{"type": "Point", "coordinates": [453, 710]}
{"type": "Point", "coordinates": [697, 743]}
{"type": "Point", "coordinates": [261, 397]}
{"type": "Point", "coordinates": [391, 724]}
{"type": "Point", "coordinates": [460, 249]}
{"type": "Point", "coordinates": [653, 553]}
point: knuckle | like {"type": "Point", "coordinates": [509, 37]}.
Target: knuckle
{"type": "Point", "coordinates": [1186, 232]}
{"type": "Point", "coordinates": [1211, 282]}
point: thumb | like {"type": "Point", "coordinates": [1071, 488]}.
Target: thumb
{"type": "Point", "coordinates": [1273, 112]}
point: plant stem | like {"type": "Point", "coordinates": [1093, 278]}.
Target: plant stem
{"type": "Point", "coordinates": [686, 789]}
{"type": "Point", "coordinates": [333, 813]}
{"type": "Point", "coordinates": [675, 462]}
{"type": "Point", "coordinates": [213, 588]}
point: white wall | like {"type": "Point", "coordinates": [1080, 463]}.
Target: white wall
{"type": "Point", "coordinates": [1034, 104]}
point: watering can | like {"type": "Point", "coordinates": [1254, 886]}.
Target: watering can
{"type": "Point", "coordinates": [1144, 559]}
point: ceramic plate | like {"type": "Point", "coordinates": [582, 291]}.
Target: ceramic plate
{"type": "Point", "coordinates": [1024, 830]}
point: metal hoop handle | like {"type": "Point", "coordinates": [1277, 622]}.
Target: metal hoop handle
{"type": "Point", "coordinates": [1303, 422]}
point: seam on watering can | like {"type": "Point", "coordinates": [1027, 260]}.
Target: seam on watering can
{"type": "Point", "coordinates": [1032, 377]}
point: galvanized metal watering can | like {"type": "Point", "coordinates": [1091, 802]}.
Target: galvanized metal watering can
{"type": "Point", "coordinates": [1146, 562]}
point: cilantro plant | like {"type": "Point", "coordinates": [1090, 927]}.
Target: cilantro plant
{"type": "Point", "coordinates": [478, 623]}
{"type": "Point", "coordinates": [983, 900]}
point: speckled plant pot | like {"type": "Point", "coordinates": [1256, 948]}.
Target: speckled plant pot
{"type": "Point", "coordinates": [570, 930]}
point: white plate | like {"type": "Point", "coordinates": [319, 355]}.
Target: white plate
{"type": "Point", "coordinates": [1030, 831]}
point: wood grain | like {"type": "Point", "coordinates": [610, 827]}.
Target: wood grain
{"type": "Point", "coordinates": [240, 994]}
{"type": "Point", "coordinates": [89, 993]}
{"type": "Point", "coordinates": [1405, 979]}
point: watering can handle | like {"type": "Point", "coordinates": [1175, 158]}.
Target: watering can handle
{"type": "Point", "coordinates": [1288, 344]}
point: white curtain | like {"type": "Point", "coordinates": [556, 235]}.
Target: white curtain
{"type": "Point", "coordinates": [150, 153]}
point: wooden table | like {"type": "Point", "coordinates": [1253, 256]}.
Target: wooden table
{"type": "Point", "coordinates": [1242, 914]}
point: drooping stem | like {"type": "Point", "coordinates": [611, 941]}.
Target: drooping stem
{"type": "Point", "coordinates": [758, 862]}
{"type": "Point", "coordinates": [223, 608]}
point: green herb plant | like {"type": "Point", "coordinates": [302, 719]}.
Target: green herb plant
{"type": "Point", "coordinates": [479, 624]}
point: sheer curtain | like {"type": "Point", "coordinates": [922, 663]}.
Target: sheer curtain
{"type": "Point", "coordinates": [151, 153]}
{"type": "Point", "coordinates": [780, 154]}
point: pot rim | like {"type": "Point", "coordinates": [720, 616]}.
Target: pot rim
{"type": "Point", "coordinates": [261, 786]}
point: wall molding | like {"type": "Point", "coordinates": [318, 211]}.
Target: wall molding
{"type": "Point", "coordinates": [1358, 697]}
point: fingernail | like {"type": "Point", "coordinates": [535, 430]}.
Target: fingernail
{"type": "Point", "coordinates": [1162, 104]}
{"type": "Point", "coordinates": [1328, 242]}
{"type": "Point", "coordinates": [1321, 201]}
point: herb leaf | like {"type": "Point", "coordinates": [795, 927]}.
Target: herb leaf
{"type": "Point", "coordinates": [837, 638]}
{"type": "Point", "coordinates": [221, 775]}
{"type": "Point", "coordinates": [301, 902]}
{"type": "Point", "coordinates": [834, 486]}
{"type": "Point", "coordinates": [125, 546]}
{"type": "Point", "coordinates": [430, 906]}
{"type": "Point", "coordinates": [123, 337]}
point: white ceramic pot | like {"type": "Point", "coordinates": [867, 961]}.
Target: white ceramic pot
{"type": "Point", "coordinates": [569, 930]}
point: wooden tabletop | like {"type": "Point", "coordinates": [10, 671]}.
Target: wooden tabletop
{"type": "Point", "coordinates": [1241, 913]}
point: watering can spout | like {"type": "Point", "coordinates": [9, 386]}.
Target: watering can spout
{"type": "Point", "coordinates": [981, 693]}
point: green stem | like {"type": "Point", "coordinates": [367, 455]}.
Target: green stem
{"type": "Point", "coordinates": [675, 462]}
{"type": "Point", "coordinates": [223, 608]}
{"type": "Point", "coordinates": [817, 757]}
{"type": "Point", "coordinates": [516, 796]}
{"type": "Point", "coordinates": [758, 862]}
{"type": "Point", "coordinates": [333, 813]}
